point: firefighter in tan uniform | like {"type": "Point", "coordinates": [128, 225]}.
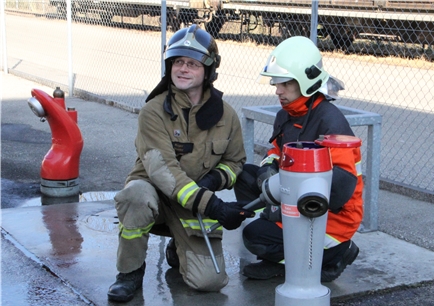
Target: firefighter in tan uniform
{"type": "Point", "coordinates": [305, 91]}
{"type": "Point", "coordinates": [189, 144]}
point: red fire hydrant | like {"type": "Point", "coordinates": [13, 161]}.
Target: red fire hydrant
{"type": "Point", "coordinates": [60, 166]}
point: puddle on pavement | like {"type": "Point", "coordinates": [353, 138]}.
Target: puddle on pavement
{"type": "Point", "coordinates": [84, 197]}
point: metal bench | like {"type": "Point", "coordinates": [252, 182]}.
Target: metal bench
{"type": "Point", "coordinates": [355, 117]}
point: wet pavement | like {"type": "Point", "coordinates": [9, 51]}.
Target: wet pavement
{"type": "Point", "coordinates": [65, 254]}
{"type": "Point", "coordinates": [77, 242]}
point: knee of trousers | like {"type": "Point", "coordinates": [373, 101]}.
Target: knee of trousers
{"type": "Point", "coordinates": [254, 248]}
{"type": "Point", "coordinates": [137, 205]}
{"type": "Point", "coordinates": [200, 274]}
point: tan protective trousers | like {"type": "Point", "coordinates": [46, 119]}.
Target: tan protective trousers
{"type": "Point", "coordinates": [139, 206]}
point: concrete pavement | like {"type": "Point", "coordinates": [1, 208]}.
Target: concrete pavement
{"type": "Point", "coordinates": [77, 242]}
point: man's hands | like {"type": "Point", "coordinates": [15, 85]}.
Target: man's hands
{"type": "Point", "coordinates": [229, 214]}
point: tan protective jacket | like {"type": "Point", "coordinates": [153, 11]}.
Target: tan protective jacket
{"type": "Point", "coordinates": [173, 153]}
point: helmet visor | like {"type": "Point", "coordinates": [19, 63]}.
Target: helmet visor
{"type": "Point", "coordinates": [271, 80]}
{"type": "Point", "coordinates": [273, 70]}
{"type": "Point", "coordinates": [189, 46]}
{"type": "Point", "coordinates": [178, 52]}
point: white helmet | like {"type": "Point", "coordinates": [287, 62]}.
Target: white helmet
{"type": "Point", "coordinates": [298, 58]}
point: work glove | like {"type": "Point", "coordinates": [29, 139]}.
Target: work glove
{"type": "Point", "coordinates": [272, 212]}
{"type": "Point", "coordinates": [266, 171]}
{"type": "Point", "coordinates": [211, 181]}
{"type": "Point", "coordinates": [229, 214]}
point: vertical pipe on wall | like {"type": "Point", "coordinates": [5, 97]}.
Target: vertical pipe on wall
{"type": "Point", "coordinates": [163, 33]}
{"type": "Point", "coordinates": [69, 21]}
{"type": "Point", "coordinates": [314, 22]}
{"type": "Point", "coordinates": [3, 35]}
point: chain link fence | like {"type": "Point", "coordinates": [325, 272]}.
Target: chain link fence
{"type": "Point", "coordinates": [382, 50]}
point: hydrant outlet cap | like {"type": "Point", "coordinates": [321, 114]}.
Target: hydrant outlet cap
{"type": "Point", "coordinates": [339, 141]}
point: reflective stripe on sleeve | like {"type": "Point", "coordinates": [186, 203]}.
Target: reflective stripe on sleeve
{"type": "Point", "coordinates": [134, 233]}
{"type": "Point", "coordinates": [269, 159]}
{"type": "Point", "coordinates": [185, 193]}
{"type": "Point", "coordinates": [229, 171]}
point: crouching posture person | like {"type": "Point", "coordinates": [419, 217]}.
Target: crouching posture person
{"type": "Point", "coordinates": [304, 90]}
{"type": "Point", "coordinates": [189, 144]}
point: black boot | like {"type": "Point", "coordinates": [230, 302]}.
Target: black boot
{"type": "Point", "coordinates": [126, 284]}
{"type": "Point", "coordinates": [264, 270]}
{"type": "Point", "coordinates": [332, 272]}
{"type": "Point", "coordinates": [171, 256]}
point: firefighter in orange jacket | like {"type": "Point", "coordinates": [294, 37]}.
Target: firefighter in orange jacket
{"type": "Point", "coordinates": [305, 90]}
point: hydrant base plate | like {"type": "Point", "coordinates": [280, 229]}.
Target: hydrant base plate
{"type": "Point", "coordinates": [286, 296]}
{"type": "Point", "coordinates": [60, 188]}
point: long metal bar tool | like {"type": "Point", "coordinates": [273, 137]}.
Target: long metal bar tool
{"type": "Point", "coordinates": [208, 244]}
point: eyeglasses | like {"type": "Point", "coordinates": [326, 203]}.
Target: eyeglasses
{"type": "Point", "coordinates": [190, 65]}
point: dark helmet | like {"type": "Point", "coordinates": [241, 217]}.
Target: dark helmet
{"type": "Point", "coordinates": [195, 43]}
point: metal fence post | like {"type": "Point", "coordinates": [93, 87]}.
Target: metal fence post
{"type": "Point", "coordinates": [314, 22]}
{"type": "Point", "coordinates": [163, 34]}
{"type": "Point", "coordinates": [3, 29]}
{"type": "Point", "coordinates": [69, 22]}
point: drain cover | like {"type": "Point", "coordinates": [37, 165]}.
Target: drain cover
{"type": "Point", "coordinates": [105, 221]}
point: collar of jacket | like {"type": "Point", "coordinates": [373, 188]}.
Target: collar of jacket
{"type": "Point", "coordinates": [209, 114]}
{"type": "Point", "coordinates": [161, 87]}
{"type": "Point", "coordinates": [300, 106]}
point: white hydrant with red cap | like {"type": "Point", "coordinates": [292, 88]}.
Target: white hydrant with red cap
{"type": "Point", "coordinates": [304, 183]}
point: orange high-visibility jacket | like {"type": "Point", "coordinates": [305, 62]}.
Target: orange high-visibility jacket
{"type": "Point", "coordinates": [326, 119]}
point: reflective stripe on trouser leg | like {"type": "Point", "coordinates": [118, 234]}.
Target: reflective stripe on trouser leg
{"type": "Point", "coordinates": [137, 208]}
{"type": "Point", "coordinates": [196, 266]}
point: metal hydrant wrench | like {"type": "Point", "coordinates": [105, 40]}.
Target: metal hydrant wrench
{"type": "Point", "coordinates": [215, 226]}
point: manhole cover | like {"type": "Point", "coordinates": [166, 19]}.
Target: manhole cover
{"type": "Point", "coordinates": [105, 221]}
